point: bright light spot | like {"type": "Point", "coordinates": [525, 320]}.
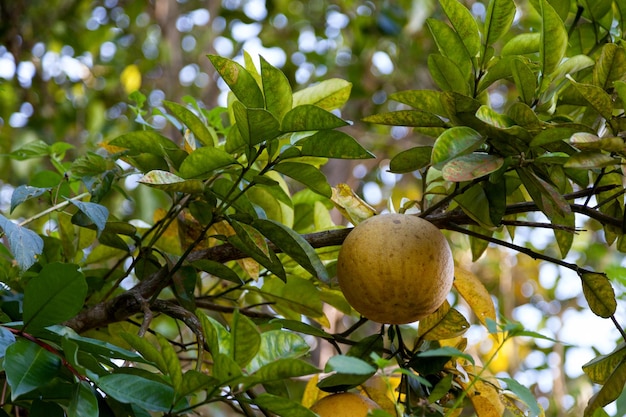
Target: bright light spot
{"type": "Point", "coordinates": [575, 358]}
{"type": "Point", "coordinates": [388, 178]}
{"type": "Point", "coordinates": [275, 55]}
{"type": "Point", "coordinates": [379, 97]}
{"type": "Point", "coordinates": [187, 74]}
{"type": "Point", "coordinates": [6, 191]}
{"type": "Point", "coordinates": [337, 20]}
{"type": "Point", "coordinates": [534, 359]}
{"type": "Point", "coordinates": [107, 51]}
{"type": "Point", "coordinates": [242, 31]}
{"type": "Point", "coordinates": [372, 193]}
{"type": "Point", "coordinates": [307, 41]}
{"type": "Point", "coordinates": [7, 66]}
{"type": "Point", "coordinates": [382, 62]}
{"type": "Point", "coordinates": [529, 316]}
{"type": "Point", "coordinates": [25, 73]}
{"type": "Point", "coordinates": [497, 99]}
{"type": "Point", "coordinates": [548, 274]}
{"type": "Point", "coordinates": [132, 181]}
{"type": "Point", "coordinates": [202, 80]}
{"type": "Point", "coordinates": [188, 43]}
{"type": "Point", "coordinates": [184, 23]}
{"type": "Point", "coordinates": [280, 21]}
{"type": "Point", "coordinates": [223, 46]}
{"type": "Point", "coordinates": [27, 109]}
{"type": "Point", "coordinates": [255, 9]}
{"type": "Point", "coordinates": [598, 333]}
{"type": "Point", "coordinates": [200, 17]}
{"type": "Point", "coordinates": [359, 171]}
{"type": "Point", "coordinates": [568, 285]}
{"type": "Point", "coordinates": [18, 120]}
{"type": "Point", "coordinates": [478, 10]}
{"type": "Point", "coordinates": [399, 132]}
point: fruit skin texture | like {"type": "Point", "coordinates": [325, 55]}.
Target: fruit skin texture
{"type": "Point", "coordinates": [344, 404]}
{"type": "Point", "coordinates": [395, 268]}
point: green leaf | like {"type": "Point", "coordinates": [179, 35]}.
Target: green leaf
{"type": "Point", "coordinates": [329, 94]}
{"type": "Point", "coordinates": [280, 370]}
{"type": "Point", "coordinates": [333, 144]}
{"type": "Point", "coordinates": [282, 406]}
{"type": "Point", "coordinates": [553, 43]}
{"type": "Point", "coordinates": [194, 381]}
{"type": "Point", "coordinates": [96, 213]}
{"type": "Point", "coordinates": [34, 149]}
{"type": "Point", "coordinates": [610, 391]}
{"type": "Point", "coordinates": [202, 162]}
{"type": "Point", "coordinates": [469, 167]}
{"type": "Point", "coordinates": [411, 159]}
{"type": "Point", "coordinates": [279, 344]}
{"type": "Point", "coordinates": [599, 294]}
{"type": "Point", "coordinates": [300, 327]}
{"type": "Point", "coordinates": [590, 160]}
{"type": "Point", "coordinates": [294, 245]}
{"type": "Point", "coordinates": [225, 369]}
{"type": "Point", "coordinates": [172, 363]}
{"type": "Point", "coordinates": [557, 134]}
{"type": "Point", "coordinates": [217, 269]}
{"type": "Point", "coordinates": [447, 74]}
{"type": "Point", "coordinates": [564, 238]}
{"type": "Point", "coordinates": [493, 118]}
{"type": "Point", "coordinates": [146, 349]}
{"type": "Point", "coordinates": [240, 81]}
{"type": "Point", "coordinates": [454, 142]}
{"type": "Point", "coordinates": [255, 125]}
{"type": "Point", "coordinates": [475, 204]}
{"type": "Point", "coordinates": [297, 295]}
{"type": "Point", "coordinates": [446, 351]}
{"type": "Point", "coordinates": [245, 339]}
{"type": "Point", "coordinates": [310, 117]}
{"type": "Point", "coordinates": [150, 142]}
{"type": "Point", "coordinates": [28, 367]}
{"type": "Point", "coordinates": [166, 181]}
{"type": "Point", "coordinates": [450, 45]}
{"type": "Point", "coordinates": [600, 368]}
{"type": "Point", "coordinates": [596, 97]}
{"type": "Point", "coordinates": [428, 100]}
{"type": "Point", "coordinates": [83, 402]}
{"type": "Point", "coordinates": [522, 44]}
{"type": "Point", "coordinates": [610, 67]}
{"type": "Point", "coordinates": [500, 15]}
{"type": "Point", "coordinates": [307, 175]}
{"type": "Point", "coordinates": [134, 389]}
{"type": "Point", "coordinates": [525, 81]}
{"type": "Point", "coordinates": [277, 91]}
{"type": "Point", "coordinates": [55, 295]}
{"type": "Point", "coordinates": [525, 395]}
{"type": "Point", "coordinates": [464, 24]}
{"type": "Point", "coordinates": [25, 192]}
{"type": "Point", "coordinates": [549, 200]}
{"type": "Point", "coordinates": [193, 122]}
{"type": "Point", "coordinates": [25, 244]}
{"type": "Point", "coordinates": [416, 118]}
{"type": "Point", "coordinates": [344, 364]}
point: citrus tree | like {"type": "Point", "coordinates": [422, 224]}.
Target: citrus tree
{"type": "Point", "coordinates": [215, 303]}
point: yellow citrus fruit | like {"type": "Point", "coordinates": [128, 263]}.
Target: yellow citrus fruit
{"type": "Point", "coordinates": [395, 268]}
{"type": "Point", "coordinates": [344, 404]}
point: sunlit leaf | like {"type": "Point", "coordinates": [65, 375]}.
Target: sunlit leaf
{"type": "Point", "coordinates": [307, 175]}
{"type": "Point", "coordinates": [483, 393]}
{"type": "Point", "coordinates": [329, 94]}
{"type": "Point", "coordinates": [590, 160]}
{"type": "Point", "coordinates": [464, 24]}
{"type": "Point", "coordinates": [545, 195]}
{"type": "Point", "coordinates": [202, 162]}
{"type": "Point", "coordinates": [417, 118]}
{"type": "Point", "coordinates": [350, 205]}
{"type": "Point", "coordinates": [554, 39]}
{"type": "Point", "coordinates": [217, 269]}
{"type": "Point", "coordinates": [611, 65]}
{"type": "Point", "coordinates": [564, 238]}
{"type": "Point", "coordinates": [25, 192]}
{"type": "Point", "coordinates": [245, 339]}
{"type": "Point", "coordinates": [445, 323]}
{"type": "Point", "coordinates": [454, 142]}
{"type": "Point", "coordinates": [280, 370]}
{"type": "Point", "coordinates": [193, 122]}
{"type": "Point", "coordinates": [525, 81]}
{"type": "Point", "coordinates": [96, 213]}
{"type": "Point", "coordinates": [600, 368]}
{"type": "Point", "coordinates": [475, 204]}
{"type": "Point", "coordinates": [166, 181]}
{"type": "Point", "coordinates": [469, 167]}
{"type": "Point", "coordinates": [475, 294]}
{"type": "Point", "coordinates": [310, 117]}
{"type": "Point", "coordinates": [255, 125]}
{"type": "Point", "coordinates": [282, 406]}
{"type": "Point", "coordinates": [599, 293]}
{"type": "Point", "coordinates": [597, 98]}
{"type": "Point", "coordinates": [447, 74]}
{"type": "Point", "coordinates": [276, 88]}
{"type": "Point", "coordinates": [525, 395]}
{"type": "Point", "coordinates": [450, 45]}
{"type": "Point", "coordinates": [150, 142]}
{"type": "Point", "coordinates": [522, 44]}
{"type": "Point", "coordinates": [428, 100]}
{"type": "Point", "coordinates": [240, 81]}
{"type": "Point", "coordinates": [610, 391]}
{"type": "Point", "coordinates": [500, 14]}
{"type": "Point", "coordinates": [333, 144]}
{"type": "Point", "coordinates": [411, 159]}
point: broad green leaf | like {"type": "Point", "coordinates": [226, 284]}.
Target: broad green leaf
{"type": "Point", "coordinates": [475, 204]}
{"type": "Point", "coordinates": [599, 293]}
{"type": "Point", "coordinates": [172, 363]}
{"type": "Point", "coordinates": [194, 381]}
{"type": "Point", "coordinates": [55, 295]}
{"type": "Point", "coordinates": [545, 195]}
{"type": "Point", "coordinates": [525, 395]}
{"type": "Point", "coordinates": [557, 134]}
{"type": "Point", "coordinates": [225, 369]}
{"type": "Point", "coordinates": [339, 382]}
{"type": "Point", "coordinates": [554, 39]}
{"type": "Point", "coordinates": [28, 367]}
{"type": "Point", "coordinates": [240, 81]}
{"type": "Point", "coordinates": [523, 44]}
{"type": "Point", "coordinates": [446, 352]}
{"type": "Point", "coordinates": [307, 175]}
{"type": "Point", "coordinates": [597, 10]}
{"type": "Point", "coordinates": [255, 125]}
{"type": "Point", "coordinates": [610, 391]}
{"type": "Point", "coordinates": [146, 349]}
{"type": "Point", "coordinates": [297, 295]}
{"type": "Point", "coordinates": [217, 269]}
{"type": "Point", "coordinates": [500, 15]}
{"type": "Point", "coordinates": [6, 339]}
{"type": "Point", "coordinates": [166, 181]}
{"type": "Point", "coordinates": [273, 200]}
{"type": "Point", "coordinates": [25, 244]}
{"type": "Point", "coordinates": [280, 370]}
{"type": "Point", "coordinates": [454, 142]}
{"type": "Point", "coordinates": [475, 294]}
{"type": "Point", "coordinates": [294, 245]}
{"type": "Point", "coordinates": [469, 167]}
{"type": "Point", "coordinates": [135, 389]}
{"type": "Point", "coordinates": [276, 88]}
{"type": "Point", "coordinates": [493, 118]}
{"type": "Point", "coordinates": [300, 327]}
{"type": "Point", "coordinates": [25, 192]}
{"type": "Point", "coordinates": [450, 45]}
{"type": "Point", "coordinates": [215, 334]}
{"type": "Point", "coordinates": [96, 213]}
{"type": "Point", "coordinates": [564, 238]}
{"type": "Point", "coordinates": [600, 368]}
{"type": "Point", "coordinates": [428, 100]}
{"type": "Point", "coordinates": [83, 402]}
{"type": "Point", "coordinates": [590, 160]}
{"type": "Point", "coordinates": [411, 159]}
{"type": "Point", "coordinates": [464, 24]}
{"type": "Point", "coordinates": [34, 149]}
{"type": "Point", "coordinates": [279, 344]}
{"type": "Point", "coordinates": [445, 323]}
{"type": "Point", "coordinates": [596, 97]}
{"type": "Point", "coordinates": [416, 118]}
{"type": "Point", "coordinates": [525, 81]}
{"type": "Point", "coordinates": [499, 68]}
{"type": "Point", "coordinates": [590, 142]}
{"type": "Point", "coordinates": [202, 162]}
{"type": "Point", "coordinates": [329, 94]}
{"type": "Point", "coordinates": [245, 339]}
{"type": "Point", "coordinates": [193, 122]}
{"type": "Point", "coordinates": [150, 142]}
{"type": "Point", "coordinates": [610, 67]}
{"type": "Point", "coordinates": [92, 346]}
{"type": "Point", "coordinates": [333, 144]}
{"type": "Point", "coordinates": [282, 406]}
{"type": "Point", "coordinates": [447, 74]}
{"type": "Point", "coordinates": [344, 364]}
{"type": "Point", "coordinates": [310, 117]}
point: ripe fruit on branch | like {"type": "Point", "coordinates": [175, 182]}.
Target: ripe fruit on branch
{"type": "Point", "coordinates": [395, 268]}
{"type": "Point", "coordinates": [344, 404]}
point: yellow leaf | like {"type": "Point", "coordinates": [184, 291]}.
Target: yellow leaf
{"type": "Point", "coordinates": [445, 323]}
{"type": "Point", "coordinates": [382, 390]}
{"type": "Point", "coordinates": [350, 205]}
{"type": "Point", "coordinates": [312, 393]}
{"type": "Point", "coordinates": [131, 78]}
{"type": "Point", "coordinates": [484, 392]}
{"type": "Point", "coordinates": [222, 228]}
{"type": "Point", "coordinates": [169, 241]}
{"type": "Point", "coordinates": [475, 294]}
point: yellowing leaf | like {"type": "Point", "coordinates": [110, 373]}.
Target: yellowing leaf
{"type": "Point", "coordinates": [475, 294]}
{"type": "Point", "coordinates": [350, 205]}
{"type": "Point", "coordinates": [483, 392]}
{"type": "Point", "coordinates": [169, 241]}
{"type": "Point", "coordinates": [312, 393]}
{"type": "Point", "coordinates": [445, 323]}
{"type": "Point", "coordinates": [131, 78]}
